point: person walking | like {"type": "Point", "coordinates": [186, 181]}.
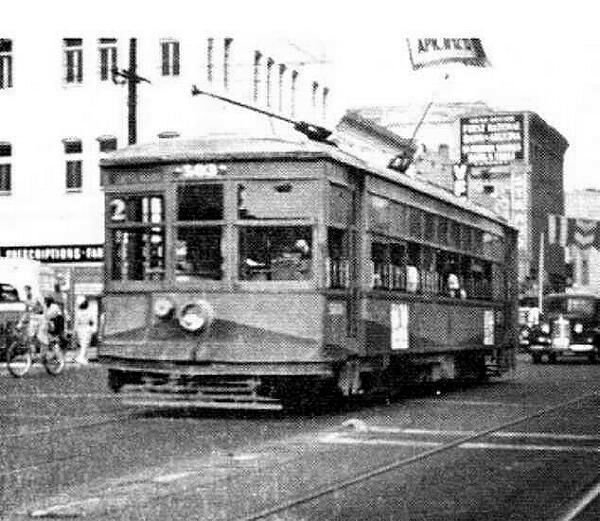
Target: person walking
{"type": "Point", "coordinates": [84, 329]}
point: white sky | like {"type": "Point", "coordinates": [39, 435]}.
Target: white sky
{"type": "Point", "coordinates": [545, 55]}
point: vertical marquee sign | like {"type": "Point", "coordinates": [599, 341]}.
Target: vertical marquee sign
{"type": "Point", "coordinates": [495, 139]}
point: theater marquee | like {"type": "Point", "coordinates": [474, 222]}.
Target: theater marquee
{"type": "Point", "coordinates": [491, 140]}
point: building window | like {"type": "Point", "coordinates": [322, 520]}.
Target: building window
{"type": "Point", "coordinates": [282, 69]}
{"type": "Point", "coordinates": [6, 80]}
{"type": "Point", "coordinates": [488, 189]}
{"type": "Point", "coordinates": [226, 59]}
{"type": "Point", "coordinates": [315, 89]}
{"type": "Point", "coordinates": [325, 101]}
{"type": "Point", "coordinates": [107, 48]}
{"type": "Point", "coordinates": [270, 64]}
{"type": "Point", "coordinates": [210, 46]}
{"type": "Point", "coordinates": [73, 60]}
{"type": "Point", "coordinates": [73, 172]}
{"type": "Point", "coordinates": [256, 78]}
{"type": "Point", "coordinates": [5, 167]}
{"type": "Point", "coordinates": [294, 88]}
{"type": "Point", "coordinates": [107, 143]}
{"type": "Point", "coordinates": [73, 175]}
{"type": "Point", "coordinates": [170, 57]}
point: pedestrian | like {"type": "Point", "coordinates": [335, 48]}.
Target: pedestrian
{"type": "Point", "coordinates": [34, 313]}
{"type": "Point", "coordinates": [84, 328]}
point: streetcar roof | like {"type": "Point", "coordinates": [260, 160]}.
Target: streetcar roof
{"type": "Point", "coordinates": [225, 148]}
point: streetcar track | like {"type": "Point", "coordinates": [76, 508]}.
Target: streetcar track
{"type": "Point", "coordinates": [335, 487]}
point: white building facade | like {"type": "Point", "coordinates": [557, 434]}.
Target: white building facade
{"type": "Point", "coordinates": [62, 109]}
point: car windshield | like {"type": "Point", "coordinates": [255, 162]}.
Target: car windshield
{"type": "Point", "coordinates": [8, 293]}
{"type": "Point", "coordinates": [573, 306]}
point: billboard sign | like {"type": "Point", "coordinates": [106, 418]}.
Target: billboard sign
{"type": "Point", "coordinates": [495, 139]}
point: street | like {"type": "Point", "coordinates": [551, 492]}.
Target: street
{"type": "Point", "coordinates": [70, 449]}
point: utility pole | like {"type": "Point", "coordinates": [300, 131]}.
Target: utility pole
{"type": "Point", "coordinates": [130, 77]}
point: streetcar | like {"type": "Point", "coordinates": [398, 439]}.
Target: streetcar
{"type": "Point", "coordinates": [252, 272]}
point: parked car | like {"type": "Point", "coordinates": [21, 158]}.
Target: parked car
{"type": "Point", "coordinates": [570, 326]}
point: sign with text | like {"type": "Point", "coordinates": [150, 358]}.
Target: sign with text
{"type": "Point", "coordinates": [425, 52]}
{"type": "Point", "coordinates": [495, 139]}
{"type": "Point", "coordinates": [66, 253]}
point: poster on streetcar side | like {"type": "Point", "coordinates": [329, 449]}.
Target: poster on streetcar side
{"type": "Point", "coordinates": [495, 139]}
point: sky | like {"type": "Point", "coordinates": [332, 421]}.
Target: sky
{"type": "Point", "coordinates": [545, 56]}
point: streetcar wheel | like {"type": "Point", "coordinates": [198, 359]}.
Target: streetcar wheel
{"type": "Point", "coordinates": [593, 357]}
{"type": "Point", "coordinates": [18, 359]}
{"type": "Point", "coordinates": [552, 358]}
{"type": "Point", "coordinates": [54, 359]}
{"type": "Point", "coordinates": [536, 358]}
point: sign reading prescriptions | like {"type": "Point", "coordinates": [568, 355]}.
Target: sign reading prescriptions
{"type": "Point", "coordinates": [425, 52]}
{"type": "Point", "coordinates": [491, 140]}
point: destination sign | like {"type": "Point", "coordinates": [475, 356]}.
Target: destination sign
{"type": "Point", "coordinates": [492, 139]}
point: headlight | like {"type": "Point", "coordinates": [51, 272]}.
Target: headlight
{"type": "Point", "coordinates": [545, 328]}
{"type": "Point", "coordinates": [162, 307]}
{"type": "Point", "coordinates": [590, 340]}
{"type": "Point", "coordinates": [578, 328]}
{"type": "Point", "coordinates": [195, 316]}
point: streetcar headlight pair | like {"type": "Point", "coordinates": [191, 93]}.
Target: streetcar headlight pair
{"type": "Point", "coordinates": [192, 316]}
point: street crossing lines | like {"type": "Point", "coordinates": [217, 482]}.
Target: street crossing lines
{"type": "Point", "coordinates": [407, 437]}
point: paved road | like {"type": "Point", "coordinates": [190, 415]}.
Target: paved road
{"type": "Point", "coordinates": [71, 449]}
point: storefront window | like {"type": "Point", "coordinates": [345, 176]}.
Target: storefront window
{"type": "Point", "coordinates": [275, 253]}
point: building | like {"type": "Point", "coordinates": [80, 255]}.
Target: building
{"type": "Point", "coordinates": [582, 211]}
{"type": "Point", "coordinates": [514, 162]}
{"type": "Point", "coordinates": [63, 108]}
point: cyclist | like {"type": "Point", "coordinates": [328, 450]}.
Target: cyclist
{"type": "Point", "coordinates": [34, 314]}
{"type": "Point", "coordinates": [55, 320]}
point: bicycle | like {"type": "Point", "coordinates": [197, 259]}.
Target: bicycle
{"type": "Point", "coordinates": [24, 350]}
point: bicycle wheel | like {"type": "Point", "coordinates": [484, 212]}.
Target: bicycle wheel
{"type": "Point", "coordinates": [54, 359]}
{"type": "Point", "coordinates": [19, 359]}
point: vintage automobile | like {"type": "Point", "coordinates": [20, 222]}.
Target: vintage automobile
{"type": "Point", "coordinates": [570, 326]}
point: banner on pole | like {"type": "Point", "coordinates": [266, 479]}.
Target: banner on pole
{"type": "Point", "coordinates": [425, 52]}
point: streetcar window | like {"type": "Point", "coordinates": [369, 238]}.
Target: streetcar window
{"type": "Point", "coordinates": [137, 209]}
{"type": "Point", "coordinates": [275, 200]}
{"type": "Point", "coordinates": [198, 253]}
{"type": "Point", "coordinates": [430, 221]}
{"type": "Point", "coordinates": [429, 274]}
{"type": "Point", "coordinates": [275, 253]}
{"type": "Point", "coordinates": [200, 202]}
{"type": "Point", "coordinates": [338, 266]}
{"type": "Point", "coordinates": [454, 234]}
{"type": "Point", "coordinates": [397, 261]}
{"type": "Point", "coordinates": [443, 231]}
{"type": "Point", "coordinates": [380, 271]}
{"type": "Point", "coordinates": [138, 254]}
{"type": "Point", "coordinates": [415, 222]}
{"type": "Point", "coordinates": [466, 238]}
{"type": "Point", "coordinates": [379, 213]}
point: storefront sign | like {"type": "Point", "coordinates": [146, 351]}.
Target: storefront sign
{"type": "Point", "coordinates": [79, 253]}
{"type": "Point", "coordinates": [492, 139]}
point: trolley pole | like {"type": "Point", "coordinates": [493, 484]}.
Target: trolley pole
{"type": "Point", "coordinates": [131, 78]}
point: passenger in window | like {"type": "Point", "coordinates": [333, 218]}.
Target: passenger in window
{"type": "Point", "coordinates": [453, 285]}
{"type": "Point", "coordinates": [293, 264]}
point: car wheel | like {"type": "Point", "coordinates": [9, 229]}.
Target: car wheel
{"type": "Point", "coordinates": [593, 357]}
{"type": "Point", "coordinates": [536, 358]}
{"type": "Point", "coordinates": [552, 358]}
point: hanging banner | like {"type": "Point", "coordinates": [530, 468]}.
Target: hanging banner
{"type": "Point", "coordinates": [425, 52]}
